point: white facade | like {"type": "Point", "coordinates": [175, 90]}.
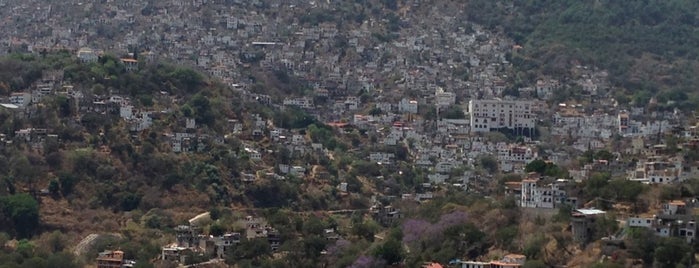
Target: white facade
{"type": "Point", "coordinates": [304, 102]}
{"type": "Point", "coordinates": [550, 196]}
{"type": "Point", "coordinates": [253, 154]}
{"type": "Point", "coordinates": [444, 167]}
{"type": "Point", "coordinates": [140, 120]}
{"type": "Point", "coordinates": [475, 264]}
{"type": "Point", "coordinates": [658, 173]}
{"type": "Point", "coordinates": [20, 99]}
{"type": "Point", "coordinates": [487, 115]}
{"type": "Point", "coordinates": [352, 103]}
{"type": "Point", "coordinates": [380, 157]}
{"type": "Point", "coordinates": [297, 170]}
{"type": "Point", "coordinates": [523, 154]}
{"type": "Point", "coordinates": [88, 55]}
{"type": "Point", "coordinates": [297, 139]}
{"type": "Point", "coordinates": [190, 123]}
{"type": "Point", "coordinates": [640, 222]}
{"type": "Point", "coordinates": [126, 112]}
{"type": "Point", "coordinates": [437, 178]}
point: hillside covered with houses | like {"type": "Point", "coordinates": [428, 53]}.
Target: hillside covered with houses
{"type": "Point", "coordinates": [327, 134]}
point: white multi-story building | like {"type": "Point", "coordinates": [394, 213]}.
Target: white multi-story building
{"type": "Point", "coordinates": [673, 220]}
{"type": "Point", "coordinates": [304, 102]}
{"type": "Point", "coordinates": [88, 55]}
{"type": "Point", "coordinates": [549, 196]}
{"type": "Point", "coordinates": [20, 99]}
{"type": "Point", "coordinates": [658, 172]}
{"type": "Point", "coordinates": [516, 153]}
{"type": "Point", "coordinates": [380, 157]}
{"type": "Point", "coordinates": [489, 115]}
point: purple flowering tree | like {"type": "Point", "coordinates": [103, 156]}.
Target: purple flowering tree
{"type": "Point", "coordinates": [416, 230]}
{"type": "Point", "coordinates": [367, 262]}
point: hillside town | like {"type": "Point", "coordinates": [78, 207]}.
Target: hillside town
{"type": "Point", "coordinates": [434, 95]}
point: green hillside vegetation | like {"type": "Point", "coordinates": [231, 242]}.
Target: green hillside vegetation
{"type": "Point", "coordinates": [102, 178]}
{"type": "Point", "coordinates": [648, 47]}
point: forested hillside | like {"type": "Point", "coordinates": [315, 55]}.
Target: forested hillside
{"type": "Point", "coordinates": [648, 47]}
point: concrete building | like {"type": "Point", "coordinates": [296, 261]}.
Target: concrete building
{"type": "Point", "coordinates": [303, 102]}
{"type": "Point", "coordinates": [673, 220]}
{"type": "Point", "coordinates": [443, 98]}
{"type": "Point", "coordinates": [623, 121]}
{"type": "Point", "coordinates": [21, 99]}
{"type": "Point", "coordinates": [113, 259]}
{"type": "Point", "coordinates": [490, 115]}
{"type": "Point", "coordinates": [407, 106]}
{"type": "Point", "coordinates": [88, 55]}
{"type": "Point", "coordinates": [657, 172]}
{"type": "Point", "coordinates": [583, 222]}
{"type": "Point", "coordinates": [552, 195]}
{"type": "Point", "coordinates": [474, 264]}
{"type": "Point", "coordinates": [130, 64]}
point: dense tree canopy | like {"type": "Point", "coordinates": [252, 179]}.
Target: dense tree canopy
{"type": "Point", "coordinates": [545, 168]}
{"type": "Point", "coordinates": [625, 38]}
{"type": "Point", "coordinates": [22, 213]}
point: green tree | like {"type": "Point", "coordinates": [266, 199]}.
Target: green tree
{"type": "Point", "coordinates": [538, 166]}
{"type": "Point", "coordinates": [604, 155]}
{"type": "Point", "coordinates": [64, 105]}
{"type": "Point", "coordinates": [505, 236]}
{"type": "Point", "coordinates": [62, 260]}
{"type": "Point", "coordinates": [642, 241]}
{"type": "Point", "coordinates": [391, 251]}
{"type": "Point", "coordinates": [596, 185]}
{"type": "Point", "coordinates": [293, 117]}
{"type": "Point", "coordinates": [313, 226]}
{"type": "Point", "coordinates": [23, 210]}
{"type": "Point", "coordinates": [67, 181]}
{"type": "Point", "coordinates": [130, 201]}
{"type": "Point", "coordinates": [187, 79]}
{"type": "Point", "coordinates": [489, 163]}
{"type": "Point", "coordinates": [56, 242]}
{"type": "Point", "coordinates": [202, 108]}
{"type": "Point", "coordinates": [217, 229]}
{"type": "Point", "coordinates": [250, 249]}
{"type": "Point", "coordinates": [365, 229]}
{"type": "Point", "coordinates": [671, 252]}
{"type": "Point", "coordinates": [313, 245]}
{"type": "Point", "coordinates": [454, 112]}
{"type": "Point", "coordinates": [605, 226]}
{"type": "Point", "coordinates": [54, 187]}
{"type": "Point", "coordinates": [534, 245]}
{"type": "Point", "coordinates": [625, 190]}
